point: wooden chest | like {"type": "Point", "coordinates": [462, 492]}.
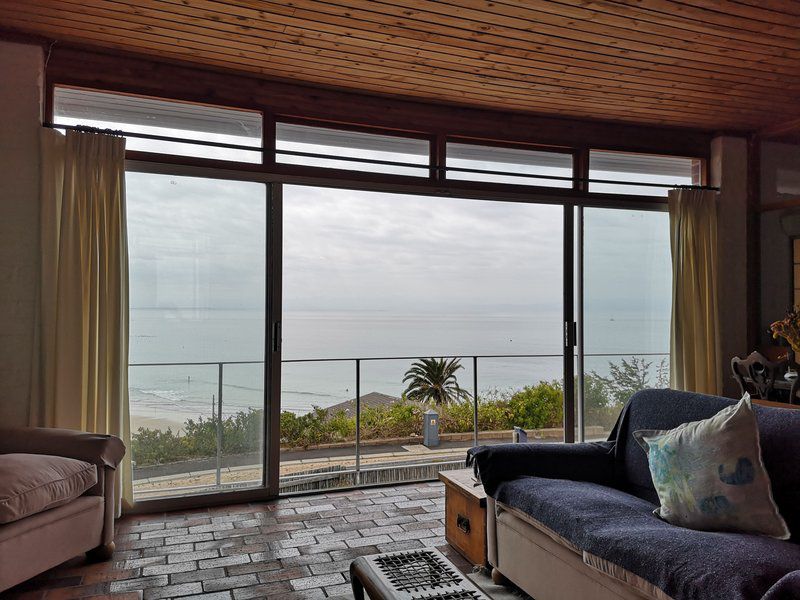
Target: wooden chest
{"type": "Point", "coordinates": [465, 515]}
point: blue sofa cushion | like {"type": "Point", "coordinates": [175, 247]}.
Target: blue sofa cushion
{"type": "Point", "coordinates": [621, 528]}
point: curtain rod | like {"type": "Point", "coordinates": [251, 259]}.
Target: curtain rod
{"type": "Point", "coordinates": [371, 161]}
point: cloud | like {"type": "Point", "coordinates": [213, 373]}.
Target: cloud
{"type": "Point", "coordinates": [349, 249]}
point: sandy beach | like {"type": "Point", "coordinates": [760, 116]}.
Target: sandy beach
{"type": "Point", "coordinates": [161, 423]}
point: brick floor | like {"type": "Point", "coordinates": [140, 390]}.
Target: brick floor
{"type": "Point", "coordinates": [294, 548]}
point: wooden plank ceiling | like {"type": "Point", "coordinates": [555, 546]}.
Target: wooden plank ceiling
{"type": "Point", "coordinates": [711, 64]}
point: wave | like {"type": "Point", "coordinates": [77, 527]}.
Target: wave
{"type": "Point", "coordinates": [299, 393]}
{"type": "Point", "coordinates": [243, 387]}
{"type": "Point", "coordinates": [173, 396]}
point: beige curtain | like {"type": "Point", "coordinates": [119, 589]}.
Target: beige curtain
{"type": "Point", "coordinates": [83, 364]}
{"type": "Point", "coordinates": [694, 340]}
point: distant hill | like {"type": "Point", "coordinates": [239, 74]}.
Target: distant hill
{"type": "Point", "coordinates": [372, 400]}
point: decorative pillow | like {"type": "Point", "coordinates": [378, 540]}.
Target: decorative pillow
{"type": "Point", "coordinates": [709, 474]}
{"type": "Point", "coordinates": [32, 483]}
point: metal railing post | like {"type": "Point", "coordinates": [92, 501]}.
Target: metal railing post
{"type": "Point", "coordinates": [219, 424]}
{"type": "Point", "coordinates": [475, 399]}
{"type": "Point", "coordinates": [358, 421]}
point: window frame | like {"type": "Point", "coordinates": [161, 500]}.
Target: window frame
{"type": "Point", "coordinates": [435, 183]}
{"type": "Point", "coordinates": [274, 175]}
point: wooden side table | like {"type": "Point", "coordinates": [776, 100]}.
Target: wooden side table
{"type": "Point", "coordinates": [465, 515]}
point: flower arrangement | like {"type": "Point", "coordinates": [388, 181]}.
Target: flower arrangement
{"type": "Point", "coordinates": [789, 329]}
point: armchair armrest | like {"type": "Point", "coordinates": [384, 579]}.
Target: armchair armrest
{"type": "Point", "coordinates": [591, 461]}
{"type": "Point", "coordinates": [101, 450]}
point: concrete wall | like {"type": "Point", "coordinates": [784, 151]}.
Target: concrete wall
{"type": "Point", "coordinates": [21, 84]}
{"type": "Point", "coordinates": [728, 170]}
{"type": "Point", "coordinates": [780, 181]}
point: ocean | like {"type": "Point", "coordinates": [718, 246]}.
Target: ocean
{"type": "Point", "coordinates": [170, 394]}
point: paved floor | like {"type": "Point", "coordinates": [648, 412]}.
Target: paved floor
{"type": "Point", "coordinates": [295, 548]}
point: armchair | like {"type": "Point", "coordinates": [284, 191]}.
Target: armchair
{"type": "Point", "coordinates": [85, 524]}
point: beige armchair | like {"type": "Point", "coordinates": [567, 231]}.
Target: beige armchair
{"type": "Point", "coordinates": [56, 499]}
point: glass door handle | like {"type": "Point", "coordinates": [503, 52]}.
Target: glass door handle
{"type": "Point", "coordinates": [570, 334]}
{"type": "Point", "coordinates": [276, 336]}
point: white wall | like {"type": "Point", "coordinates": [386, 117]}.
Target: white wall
{"type": "Point", "coordinates": [729, 172]}
{"type": "Point", "coordinates": [21, 84]}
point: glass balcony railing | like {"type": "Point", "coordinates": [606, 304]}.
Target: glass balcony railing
{"type": "Point", "coordinates": [196, 427]}
{"type": "Point", "coordinates": [199, 427]}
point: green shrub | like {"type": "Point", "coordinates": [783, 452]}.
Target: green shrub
{"type": "Point", "coordinates": [315, 427]}
{"type": "Point", "coordinates": [241, 434]}
{"type": "Point", "coordinates": [400, 419]}
{"type": "Point", "coordinates": [537, 407]}
{"type": "Point", "coordinates": [153, 446]}
{"type": "Point", "coordinates": [455, 418]}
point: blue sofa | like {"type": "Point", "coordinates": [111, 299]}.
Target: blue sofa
{"type": "Point", "coordinates": [576, 520]}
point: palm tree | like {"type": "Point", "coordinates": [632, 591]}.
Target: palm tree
{"type": "Point", "coordinates": [434, 380]}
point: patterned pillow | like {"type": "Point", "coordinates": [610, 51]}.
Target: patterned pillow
{"type": "Point", "coordinates": [709, 474]}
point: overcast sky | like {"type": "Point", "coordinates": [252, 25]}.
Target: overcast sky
{"type": "Point", "coordinates": [202, 242]}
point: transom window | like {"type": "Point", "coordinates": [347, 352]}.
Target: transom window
{"type": "Point", "coordinates": [164, 118]}
{"type": "Point", "coordinates": [351, 150]}
{"type": "Point", "coordinates": [497, 164]}
{"type": "Point", "coordinates": [640, 174]}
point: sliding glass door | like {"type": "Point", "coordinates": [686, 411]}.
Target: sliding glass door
{"type": "Point", "coordinates": [197, 333]}
{"type": "Point", "coordinates": [411, 328]}
{"type": "Point", "coordinates": [407, 320]}
{"type": "Point", "coordinates": [627, 298]}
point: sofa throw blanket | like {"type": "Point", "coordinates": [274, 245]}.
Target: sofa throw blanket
{"type": "Point", "coordinates": [684, 563]}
